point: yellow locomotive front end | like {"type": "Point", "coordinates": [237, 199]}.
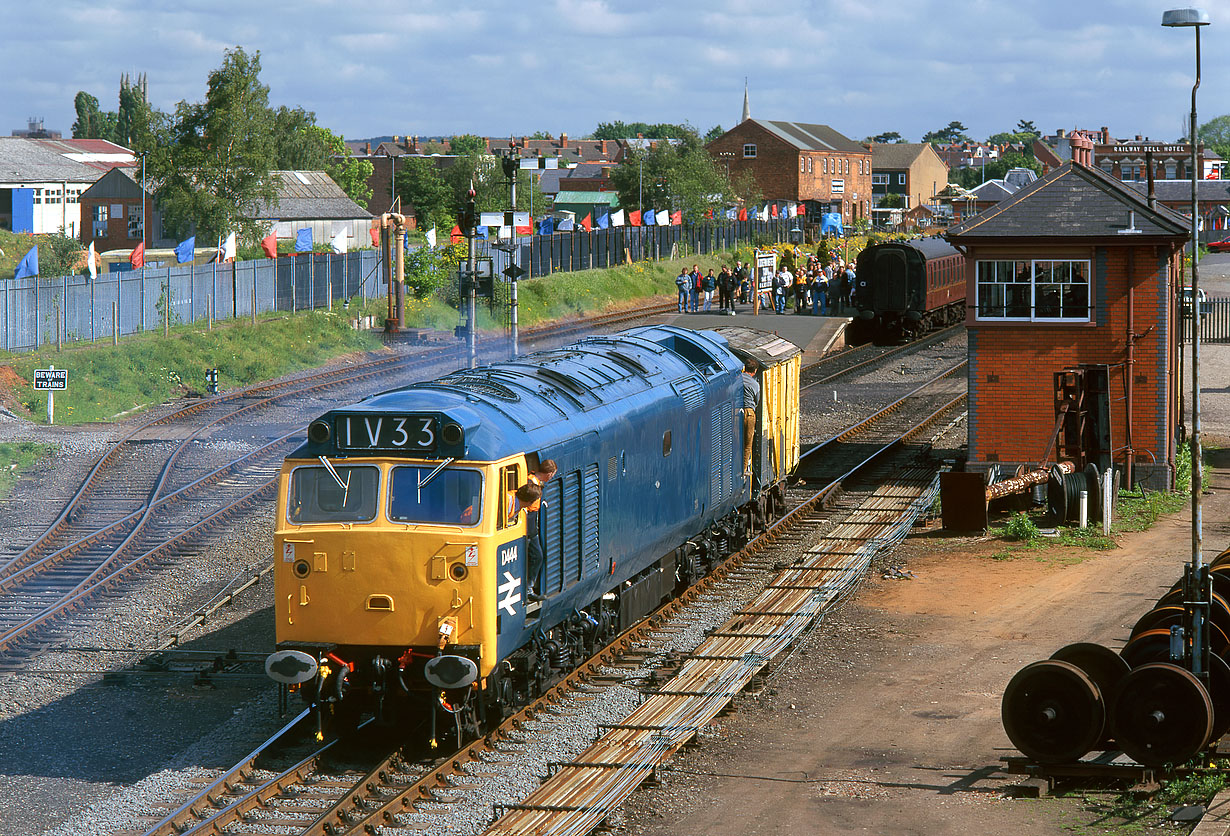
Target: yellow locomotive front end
{"type": "Point", "coordinates": [385, 579]}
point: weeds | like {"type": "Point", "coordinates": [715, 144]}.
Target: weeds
{"type": "Point", "coordinates": [15, 459]}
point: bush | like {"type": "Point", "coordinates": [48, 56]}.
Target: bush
{"type": "Point", "coordinates": [1021, 527]}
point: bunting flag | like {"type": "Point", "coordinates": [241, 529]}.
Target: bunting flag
{"type": "Point", "coordinates": [649, 218]}
{"type": "Point", "coordinates": [303, 240]}
{"type": "Point", "coordinates": [617, 219]}
{"type": "Point", "coordinates": [29, 265]}
{"type": "Point", "coordinates": [677, 217]}
{"type": "Point", "coordinates": [603, 221]}
{"type": "Point", "coordinates": [732, 214]}
{"type": "Point", "coordinates": [480, 231]}
{"type": "Point", "coordinates": [586, 223]}
{"type": "Point", "coordinates": [546, 226]}
{"type": "Point", "coordinates": [634, 217]}
{"type": "Point", "coordinates": [742, 214]}
{"type": "Point", "coordinates": [270, 245]}
{"type": "Point", "coordinates": [185, 250]}
{"type": "Point", "coordinates": [431, 237]}
{"type": "Point", "coordinates": [229, 248]}
{"type": "Point", "coordinates": [375, 233]}
{"type": "Point", "coordinates": [764, 213]}
{"type": "Point", "coordinates": [137, 259]}
{"type": "Point", "coordinates": [455, 235]}
{"type": "Point", "coordinates": [564, 225]}
{"type": "Point", "coordinates": [339, 241]}
{"type": "Point", "coordinates": [708, 214]}
{"type": "Point", "coordinates": [773, 212]}
{"type": "Point", "coordinates": [91, 262]}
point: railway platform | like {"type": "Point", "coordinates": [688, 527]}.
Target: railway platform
{"type": "Point", "coordinates": [816, 335]}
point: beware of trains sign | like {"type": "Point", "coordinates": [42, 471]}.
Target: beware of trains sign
{"type": "Point", "coordinates": [51, 379]}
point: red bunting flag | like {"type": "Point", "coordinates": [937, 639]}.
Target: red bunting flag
{"type": "Point", "coordinates": [138, 256]}
{"type": "Point", "coordinates": [634, 217]}
{"type": "Point", "coordinates": [676, 217]}
{"type": "Point", "coordinates": [270, 245]}
{"type": "Point", "coordinates": [708, 214]}
{"type": "Point", "coordinates": [375, 233]}
{"type": "Point", "coordinates": [586, 223]}
{"type": "Point", "coordinates": [773, 211]}
{"type": "Point", "coordinates": [743, 214]}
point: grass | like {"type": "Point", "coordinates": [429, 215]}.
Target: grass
{"type": "Point", "coordinates": [146, 369]}
{"type": "Point", "coordinates": [106, 381]}
{"type": "Point", "coordinates": [15, 459]}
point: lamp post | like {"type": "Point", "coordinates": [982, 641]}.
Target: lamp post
{"type": "Point", "coordinates": [1198, 577]}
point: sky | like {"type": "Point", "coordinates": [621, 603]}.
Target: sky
{"type": "Point", "coordinates": [428, 67]}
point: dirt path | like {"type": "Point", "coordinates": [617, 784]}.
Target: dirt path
{"type": "Point", "coordinates": [886, 721]}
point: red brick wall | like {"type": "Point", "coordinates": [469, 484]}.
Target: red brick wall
{"type": "Point", "coordinates": [117, 227]}
{"type": "Point", "coordinates": [1012, 364]}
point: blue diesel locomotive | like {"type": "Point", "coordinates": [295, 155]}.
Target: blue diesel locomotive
{"type": "Point", "coordinates": [401, 580]}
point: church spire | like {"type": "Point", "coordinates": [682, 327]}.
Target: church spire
{"type": "Point", "coordinates": [747, 107]}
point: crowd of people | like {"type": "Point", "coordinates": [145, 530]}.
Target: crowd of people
{"type": "Point", "coordinates": [814, 289]}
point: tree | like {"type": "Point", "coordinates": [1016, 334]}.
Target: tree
{"type": "Point", "coordinates": [886, 137]}
{"type": "Point", "coordinates": [713, 133]}
{"type": "Point", "coordinates": [628, 130]}
{"type": "Point", "coordinates": [891, 201]}
{"type": "Point", "coordinates": [1216, 135]}
{"type": "Point", "coordinates": [954, 132]}
{"type": "Point", "coordinates": [419, 185]}
{"type": "Point", "coordinates": [215, 171]}
{"type": "Point", "coordinates": [59, 255]}
{"type": "Point", "coordinates": [295, 147]}
{"type": "Point", "coordinates": [467, 144]}
{"type": "Point", "coordinates": [669, 176]}
{"type": "Point", "coordinates": [134, 118]}
{"type": "Point", "coordinates": [1026, 128]}
{"type": "Point", "coordinates": [745, 189]}
{"type": "Point", "coordinates": [92, 122]}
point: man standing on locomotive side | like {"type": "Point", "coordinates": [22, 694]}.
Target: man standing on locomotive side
{"type": "Point", "coordinates": [751, 397]}
{"type": "Point", "coordinates": [533, 546]}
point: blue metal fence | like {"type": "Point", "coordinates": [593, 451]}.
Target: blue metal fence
{"type": "Point", "coordinates": [36, 311]}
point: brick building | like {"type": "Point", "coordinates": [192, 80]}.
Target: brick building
{"type": "Point", "coordinates": [800, 162]}
{"type": "Point", "coordinates": [111, 213]}
{"type": "Point", "coordinates": [1073, 269]}
{"type": "Point", "coordinates": [911, 169]}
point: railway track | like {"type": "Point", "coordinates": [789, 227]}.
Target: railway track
{"type": "Point", "coordinates": [580, 794]}
{"type": "Point", "coordinates": [156, 490]}
{"type": "Point", "coordinates": [863, 357]}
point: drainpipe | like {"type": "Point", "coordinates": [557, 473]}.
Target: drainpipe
{"type": "Point", "coordinates": [1129, 454]}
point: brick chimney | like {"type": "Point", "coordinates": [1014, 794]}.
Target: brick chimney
{"type": "Point", "coordinates": [525, 142]}
{"type": "Point", "coordinates": [367, 149]}
{"type": "Point", "coordinates": [1105, 135]}
{"type": "Point", "coordinates": [1139, 137]}
{"type": "Point", "coordinates": [1060, 133]}
{"type": "Point", "coordinates": [563, 140]}
{"type": "Point", "coordinates": [605, 153]}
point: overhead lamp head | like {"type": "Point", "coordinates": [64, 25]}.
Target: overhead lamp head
{"type": "Point", "coordinates": [1185, 17]}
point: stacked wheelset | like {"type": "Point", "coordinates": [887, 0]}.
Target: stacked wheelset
{"type": "Point", "coordinates": [1143, 700]}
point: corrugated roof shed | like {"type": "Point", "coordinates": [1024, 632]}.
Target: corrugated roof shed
{"type": "Point", "coordinates": [25, 160]}
{"type": "Point", "coordinates": [310, 195]}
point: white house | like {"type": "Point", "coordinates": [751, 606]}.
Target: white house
{"type": "Point", "coordinates": [41, 180]}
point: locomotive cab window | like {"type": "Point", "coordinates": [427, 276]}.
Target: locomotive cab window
{"type": "Point", "coordinates": [510, 480]}
{"type": "Point", "coordinates": [316, 496]}
{"type": "Point", "coordinates": [666, 444]}
{"type": "Point", "coordinates": [454, 496]}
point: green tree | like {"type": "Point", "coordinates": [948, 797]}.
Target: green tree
{"type": "Point", "coordinates": [420, 186]}
{"type": "Point", "coordinates": [886, 137]}
{"type": "Point", "coordinates": [1025, 127]}
{"type": "Point", "coordinates": [891, 201]}
{"type": "Point", "coordinates": [745, 189]}
{"type": "Point", "coordinates": [713, 133]}
{"type": "Point", "coordinates": [92, 122]}
{"type": "Point", "coordinates": [1215, 134]}
{"type": "Point", "coordinates": [467, 145]}
{"type": "Point", "coordinates": [295, 147]}
{"type": "Point", "coordinates": [59, 255]}
{"type": "Point", "coordinates": [134, 118]}
{"type": "Point", "coordinates": [215, 171]}
{"type": "Point", "coordinates": [679, 176]}
{"type": "Point", "coordinates": [628, 130]}
{"type": "Point", "coordinates": [953, 132]}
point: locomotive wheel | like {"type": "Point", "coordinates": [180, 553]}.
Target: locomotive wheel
{"type": "Point", "coordinates": [1053, 712]}
{"type": "Point", "coordinates": [1148, 647]}
{"type": "Point", "coordinates": [1161, 714]}
{"type": "Point", "coordinates": [1219, 693]}
{"type": "Point", "coordinates": [1162, 618]}
{"type": "Point", "coordinates": [1101, 664]}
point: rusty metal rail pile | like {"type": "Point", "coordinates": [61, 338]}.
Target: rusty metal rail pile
{"type": "Point", "coordinates": [581, 794]}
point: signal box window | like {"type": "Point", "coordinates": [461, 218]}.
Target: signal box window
{"type": "Point", "coordinates": [315, 496]}
{"type": "Point", "coordinates": [452, 497]}
{"type": "Point", "coordinates": [1036, 291]}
